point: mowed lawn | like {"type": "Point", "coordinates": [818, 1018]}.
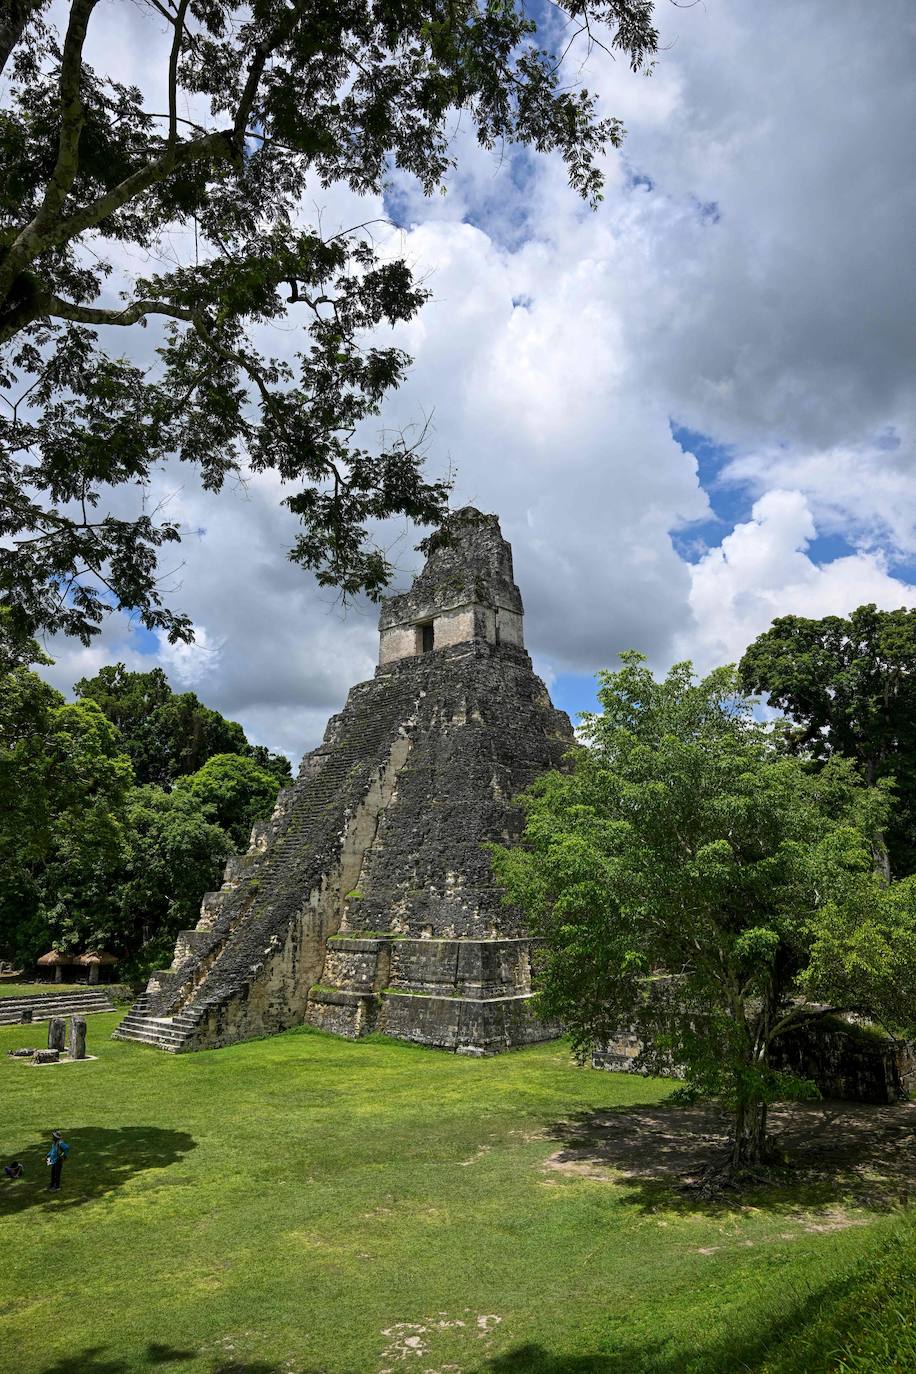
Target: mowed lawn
{"type": "Point", "coordinates": [8, 988]}
{"type": "Point", "coordinates": [305, 1204]}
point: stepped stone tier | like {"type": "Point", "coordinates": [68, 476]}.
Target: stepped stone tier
{"type": "Point", "coordinates": [39, 1007]}
{"type": "Point", "coordinates": [368, 901]}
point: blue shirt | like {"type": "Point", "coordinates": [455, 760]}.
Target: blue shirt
{"type": "Point", "coordinates": [59, 1151]}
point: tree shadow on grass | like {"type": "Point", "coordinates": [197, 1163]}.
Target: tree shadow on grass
{"type": "Point", "coordinates": [100, 1160]}
{"type": "Point", "coordinates": [93, 1361]}
{"type": "Point", "coordinates": [832, 1151]}
{"type": "Point", "coordinates": [158, 1357]}
{"type": "Point", "coordinates": [797, 1339]}
{"type": "Point", "coordinates": [802, 1338]}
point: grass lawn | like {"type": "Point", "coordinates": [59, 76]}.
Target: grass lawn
{"type": "Point", "coordinates": [306, 1204]}
{"type": "Point", "coordinates": [10, 989]}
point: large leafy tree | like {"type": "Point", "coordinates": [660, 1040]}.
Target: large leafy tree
{"type": "Point", "coordinates": [692, 882]}
{"type": "Point", "coordinates": [167, 734]}
{"type": "Point", "coordinates": [234, 792]}
{"type": "Point", "coordinates": [64, 784]}
{"type": "Point", "coordinates": [848, 685]}
{"type": "Point", "coordinates": [263, 103]}
{"type": "Point", "coordinates": [176, 853]}
{"type": "Point", "coordinates": [88, 858]}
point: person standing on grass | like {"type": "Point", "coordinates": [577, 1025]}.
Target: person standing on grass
{"type": "Point", "coordinates": [56, 1156]}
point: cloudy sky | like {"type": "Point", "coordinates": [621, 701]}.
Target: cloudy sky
{"type": "Point", "coordinates": [693, 409]}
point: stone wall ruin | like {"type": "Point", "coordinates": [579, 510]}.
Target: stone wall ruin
{"type": "Point", "coordinates": [368, 901]}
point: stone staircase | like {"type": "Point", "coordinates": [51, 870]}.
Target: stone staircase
{"type": "Point", "coordinates": [265, 889]}
{"type": "Point", "coordinates": [170, 1033]}
{"type": "Point", "coordinates": [54, 1004]}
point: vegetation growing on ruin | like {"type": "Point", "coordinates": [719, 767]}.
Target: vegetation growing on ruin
{"type": "Point", "coordinates": [305, 1203]}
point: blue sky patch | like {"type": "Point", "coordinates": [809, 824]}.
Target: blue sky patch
{"type": "Point", "coordinates": [730, 502]}
{"type": "Point", "coordinates": [143, 641]}
{"type": "Point", "coordinates": [396, 202]}
{"type": "Point", "coordinates": [707, 211]}
{"type": "Point", "coordinates": [636, 180]}
{"type": "Point", "coordinates": [575, 692]}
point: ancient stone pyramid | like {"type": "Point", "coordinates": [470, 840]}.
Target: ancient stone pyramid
{"type": "Point", "coordinates": [367, 902]}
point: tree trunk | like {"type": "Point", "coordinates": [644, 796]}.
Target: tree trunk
{"type": "Point", "coordinates": [749, 1146]}
{"type": "Point", "coordinates": [757, 1133]}
{"type": "Point", "coordinates": [739, 1137]}
{"type": "Point", "coordinates": [17, 15]}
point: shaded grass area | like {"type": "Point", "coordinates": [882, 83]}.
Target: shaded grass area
{"type": "Point", "coordinates": [867, 1326]}
{"type": "Point", "coordinates": [305, 1205]}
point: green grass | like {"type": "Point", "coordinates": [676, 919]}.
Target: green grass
{"type": "Point", "coordinates": [867, 1326]}
{"type": "Point", "coordinates": [11, 989]}
{"type": "Point", "coordinates": [306, 1205]}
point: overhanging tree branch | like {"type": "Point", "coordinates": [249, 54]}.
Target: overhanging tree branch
{"type": "Point", "coordinates": [327, 93]}
{"type": "Point", "coordinates": [14, 15]}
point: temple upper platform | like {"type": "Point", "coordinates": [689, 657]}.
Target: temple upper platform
{"type": "Point", "coordinates": [465, 592]}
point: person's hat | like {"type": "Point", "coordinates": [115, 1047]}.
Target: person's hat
{"type": "Point", "coordinates": [56, 1135]}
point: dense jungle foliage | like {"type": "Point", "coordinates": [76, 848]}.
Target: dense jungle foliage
{"type": "Point", "coordinates": [117, 810]}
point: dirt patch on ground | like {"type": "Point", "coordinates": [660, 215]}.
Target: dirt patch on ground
{"type": "Point", "coordinates": [869, 1152]}
{"type": "Point", "coordinates": [409, 1340]}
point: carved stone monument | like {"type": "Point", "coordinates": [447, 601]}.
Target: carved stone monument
{"type": "Point", "coordinates": [77, 1037]}
{"type": "Point", "coordinates": [57, 1033]}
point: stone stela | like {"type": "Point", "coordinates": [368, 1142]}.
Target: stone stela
{"type": "Point", "coordinates": [367, 901]}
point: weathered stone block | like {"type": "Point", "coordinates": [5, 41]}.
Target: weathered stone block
{"type": "Point", "coordinates": [77, 1037]}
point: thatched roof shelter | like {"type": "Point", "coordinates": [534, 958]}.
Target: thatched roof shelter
{"type": "Point", "coordinates": [54, 959]}
{"type": "Point", "coordinates": [95, 959]}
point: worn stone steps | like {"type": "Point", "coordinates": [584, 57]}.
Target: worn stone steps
{"type": "Point", "coordinates": [54, 1004]}
{"type": "Point", "coordinates": [164, 1032]}
{"type": "Point", "coordinates": [311, 828]}
{"type": "Point", "coordinates": [144, 1031]}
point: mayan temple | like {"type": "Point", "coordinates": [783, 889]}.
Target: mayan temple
{"type": "Point", "coordinates": [367, 901]}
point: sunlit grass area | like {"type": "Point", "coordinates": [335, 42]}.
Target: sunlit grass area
{"type": "Point", "coordinates": [305, 1204]}
{"type": "Point", "coordinates": [10, 988]}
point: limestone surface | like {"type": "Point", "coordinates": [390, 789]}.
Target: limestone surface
{"type": "Point", "coordinates": [368, 901]}
{"type": "Point", "coordinates": [77, 1037]}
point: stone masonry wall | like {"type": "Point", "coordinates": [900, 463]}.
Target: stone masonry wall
{"type": "Point", "coordinates": [368, 900]}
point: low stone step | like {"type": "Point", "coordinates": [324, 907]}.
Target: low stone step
{"type": "Point", "coordinates": [17, 1003]}
{"type": "Point", "coordinates": [149, 1040]}
{"type": "Point", "coordinates": [152, 1023]}
{"type": "Point", "coordinates": [165, 1032]}
{"type": "Point", "coordinates": [152, 1030]}
{"type": "Point", "coordinates": [11, 1009]}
